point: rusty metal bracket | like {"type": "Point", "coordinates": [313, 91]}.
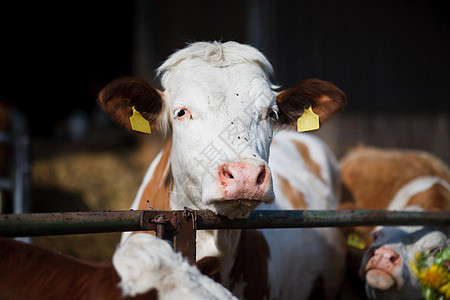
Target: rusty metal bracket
{"type": "Point", "coordinates": [178, 227]}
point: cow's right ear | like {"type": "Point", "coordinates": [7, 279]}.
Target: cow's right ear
{"type": "Point", "coordinates": [120, 96]}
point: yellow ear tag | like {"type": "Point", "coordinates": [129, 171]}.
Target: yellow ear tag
{"type": "Point", "coordinates": [308, 120]}
{"type": "Point", "coordinates": [356, 241]}
{"type": "Point", "coordinates": [138, 123]}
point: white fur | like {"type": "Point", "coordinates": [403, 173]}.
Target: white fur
{"type": "Point", "coordinates": [414, 187]}
{"type": "Point", "coordinates": [227, 91]}
{"type": "Point", "coordinates": [298, 256]}
{"type": "Point", "coordinates": [145, 262]}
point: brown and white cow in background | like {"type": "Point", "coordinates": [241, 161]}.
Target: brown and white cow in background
{"type": "Point", "coordinates": [144, 267]}
{"type": "Point", "coordinates": [395, 180]}
{"type": "Point", "coordinates": [219, 107]}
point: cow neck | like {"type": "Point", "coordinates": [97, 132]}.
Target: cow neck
{"type": "Point", "coordinates": [158, 189]}
{"type": "Point", "coordinates": [244, 257]}
{"type": "Point", "coordinates": [243, 254]}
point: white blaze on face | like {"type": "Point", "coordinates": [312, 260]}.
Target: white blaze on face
{"type": "Point", "coordinates": [222, 115]}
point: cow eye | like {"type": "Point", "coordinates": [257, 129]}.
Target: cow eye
{"type": "Point", "coordinates": [182, 113]}
{"type": "Point", "coordinates": [375, 235]}
{"type": "Point", "coordinates": [435, 250]}
{"type": "Point", "coordinates": [273, 114]}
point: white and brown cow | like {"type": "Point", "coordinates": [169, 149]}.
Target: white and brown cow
{"type": "Point", "coordinates": [219, 106]}
{"type": "Point", "coordinates": [396, 180]}
{"type": "Point", "coordinates": [144, 267]}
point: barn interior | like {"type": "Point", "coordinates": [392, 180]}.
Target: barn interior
{"type": "Point", "coordinates": [390, 57]}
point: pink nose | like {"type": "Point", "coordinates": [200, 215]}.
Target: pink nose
{"type": "Point", "coordinates": [385, 258]}
{"type": "Point", "coordinates": [243, 180]}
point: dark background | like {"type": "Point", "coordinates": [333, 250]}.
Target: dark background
{"type": "Point", "coordinates": [391, 57]}
{"type": "Point", "coordinates": [388, 56]}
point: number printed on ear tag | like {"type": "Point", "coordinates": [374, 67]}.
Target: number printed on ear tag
{"type": "Point", "coordinates": [138, 123]}
{"type": "Point", "coordinates": [308, 121]}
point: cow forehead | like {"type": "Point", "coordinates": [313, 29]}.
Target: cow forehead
{"type": "Point", "coordinates": [205, 88]}
{"type": "Point", "coordinates": [417, 238]}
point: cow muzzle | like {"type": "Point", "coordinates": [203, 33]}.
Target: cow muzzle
{"type": "Point", "coordinates": [382, 269]}
{"type": "Point", "coordinates": [240, 187]}
{"type": "Point", "coordinates": [243, 180]}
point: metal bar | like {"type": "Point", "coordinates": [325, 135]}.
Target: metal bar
{"type": "Point", "coordinates": [322, 218]}
{"type": "Point", "coordinates": [69, 223]}
{"type": "Point", "coordinates": [97, 222]}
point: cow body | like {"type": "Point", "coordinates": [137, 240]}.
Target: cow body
{"type": "Point", "coordinates": [219, 106]}
{"type": "Point", "coordinates": [305, 176]}
{"type": "Point", "coordinates": [144, 267]}
{"type": "Point", "coordinates": [396, 180]}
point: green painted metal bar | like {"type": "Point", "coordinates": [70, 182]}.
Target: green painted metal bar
{"type": "Point", "coordinates": [115, 221]}
{"type": "Point", "coordinates": [16, 225]}
{"type": "Point", "coordinates": [322, 218]}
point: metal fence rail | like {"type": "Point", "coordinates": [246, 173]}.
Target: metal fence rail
{"type": "Point", "coordinates": [113, 221]}
{"type": "Point", "coordinates": [180, 226]}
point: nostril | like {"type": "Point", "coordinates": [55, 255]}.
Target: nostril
{"type": "Point", "coordinates": [261, 176]}
{"type": "Point", "coordinates": [226, 173]}
{"type": "Point", "coordinates": [394, 258]}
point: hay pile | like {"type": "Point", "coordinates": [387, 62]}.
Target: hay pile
{"type": "Point", "coordinates": [83, 177]}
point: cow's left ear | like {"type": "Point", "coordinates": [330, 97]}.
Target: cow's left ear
{"type": "Point", "coordinates": [325, 98]}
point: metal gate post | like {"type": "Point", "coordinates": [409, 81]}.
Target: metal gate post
{"type": "Point", "coordinates": [185, 234]}
{"type": "Point", "coordinates": [178, 226]}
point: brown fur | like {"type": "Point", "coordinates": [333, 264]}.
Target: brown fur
{"type": "Point", "coordinates": [373, 177]}
{"type": "Point", "coordinates": [295, 197]}
{"type": "Point", "coordinates": [325, 98]}
{"type": "Point", "coordinates": [251, 265]}
{"type": "Point", "coordinates": [211, 267]}
{"type": "Point", "coordinates": [29, 272]}
{"type": "Point", "coordinates": [312, 166]}
{"type": "Point", "coordinates": [157, 191]}
{"type": "Point", "coordinates": [119, 96]}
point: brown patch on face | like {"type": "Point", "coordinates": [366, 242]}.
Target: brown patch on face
{"type": "Point", "coordinates": [295, 197]}
{"type": "Point", "coordinates": [436, 198]}
{"type": "Point", "coordinates": [251, 265]}
{"type": "Point", "coordinates": [158, 189]}
{"type": "Point", "coordinates": [311, 165]}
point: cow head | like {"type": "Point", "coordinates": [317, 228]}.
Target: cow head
{"type": "Point", "coordinates": [386, 265]}
{"type": "Point", "coordinates": [220, 108]}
